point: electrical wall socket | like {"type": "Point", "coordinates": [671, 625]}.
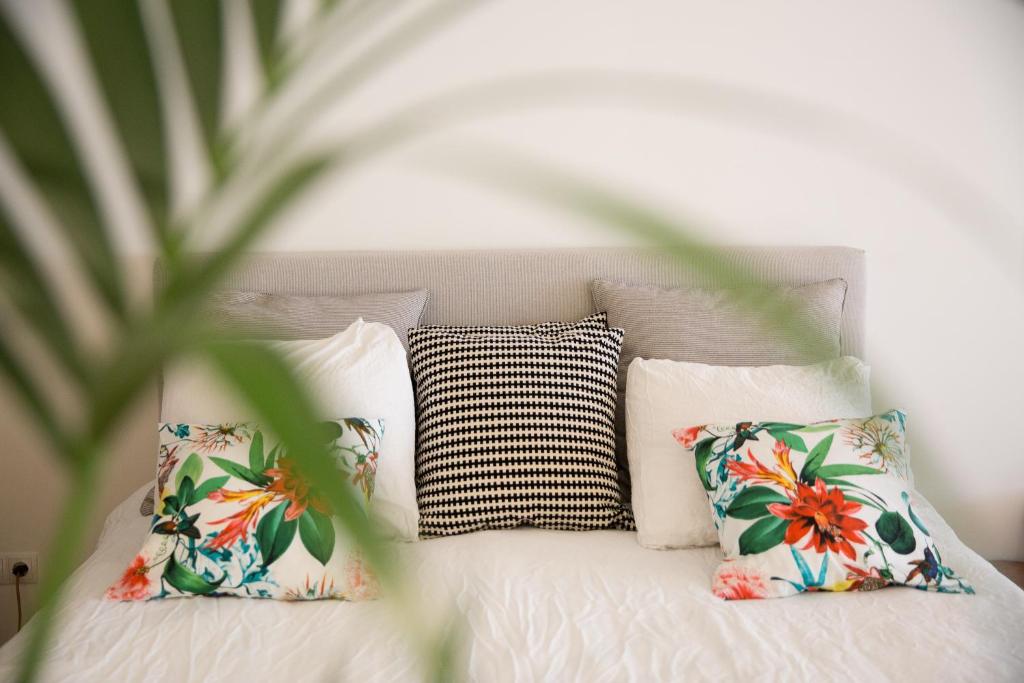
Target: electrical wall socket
{"type": "Point", "coordinates": [7, 562]}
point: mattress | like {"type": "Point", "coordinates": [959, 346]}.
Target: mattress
{"type": "Point", "coordinates": [541, 605]}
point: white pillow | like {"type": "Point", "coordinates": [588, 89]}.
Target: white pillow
{"type": "Point", "coordinates": [669, 503]}
{"type": "Point", "coordinates": [360, 371]}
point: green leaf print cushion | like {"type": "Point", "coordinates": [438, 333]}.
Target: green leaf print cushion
{"type": "Point", "coordinates": [818, 507]}
{"type": "Point", "coordinates": [233, 516]}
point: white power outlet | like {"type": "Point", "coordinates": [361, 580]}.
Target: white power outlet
{"type": "Point", "coordinates": [8, 560]}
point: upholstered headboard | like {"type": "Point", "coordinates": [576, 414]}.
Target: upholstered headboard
{"type": "Point", "coordinates": [529, 286]}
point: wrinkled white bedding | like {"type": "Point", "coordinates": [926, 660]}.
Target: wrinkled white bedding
{"type": "Point", "coordinates": [544, 605]}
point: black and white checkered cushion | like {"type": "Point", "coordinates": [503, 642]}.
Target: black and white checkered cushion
{"type": "Point", "coordinates": [516, 427]}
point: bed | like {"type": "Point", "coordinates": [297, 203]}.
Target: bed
{"type": "Point", "coordinates": [532, 604]}
{"type": "Point", "coordinates": [544, 605]}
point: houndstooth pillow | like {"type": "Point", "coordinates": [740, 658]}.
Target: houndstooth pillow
{"type": "Point", "coordinates": [516, 427]}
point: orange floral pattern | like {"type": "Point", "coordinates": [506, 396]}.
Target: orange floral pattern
{"type": "Point", "coordinates": [814, 507]}
{"type": "Point", "coordinates": [239, 524]}
{"type": "Point", "coordinates": [289, 484]}
{"type": "Point", "coordinates": [826, 514]}
{"type": "Point", "coordinates": [688, 436]}
{"type": "Point", "coordinates": [735, 583]}
{"type": "Point", "coordinates": [230, 509]}
{"type": "Point", "coordinates": [783, 474]}
{"type": "Point", "coordinates": [134, 583]}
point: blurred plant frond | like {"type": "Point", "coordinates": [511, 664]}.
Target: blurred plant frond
{"type": "Point", "coordinates": [125, 70]}
{"type": "Point", "coordinates": [31, 396]}
{"type": "Point", "coordinates": [283, 405]}
{"type": "Point", "coordinates": [30, 294]}
{"type": "Point", "coordinates": [398, 42]}
{"type": "Point", "coordinates": [199, 28]}
{"type": "Point", "coordinates": [35, 129]}
{"type": "Point", "coordinates": [126, 46]}
{"type": "Point", "coordinates": [266, 16]}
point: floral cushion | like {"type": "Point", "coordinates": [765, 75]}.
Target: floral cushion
{"type": "Point", "coordinates": [818, 507]}
{"type": "Point", "coordinates": [234, 517]}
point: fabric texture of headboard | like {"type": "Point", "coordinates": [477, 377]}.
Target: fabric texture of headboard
{"type": "Point", "coordinates": [515, 287]}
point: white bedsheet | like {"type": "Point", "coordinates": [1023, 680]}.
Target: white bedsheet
{"type": "Point", "coordinates": [543, 605]}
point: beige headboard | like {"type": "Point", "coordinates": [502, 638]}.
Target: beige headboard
{"type": "Point", "coordinates": [529, 286]}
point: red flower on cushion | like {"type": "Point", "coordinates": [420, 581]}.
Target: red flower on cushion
{"type": "Point", "coordinates": [687, 437]}
{"type": "Point", "coordinates": [736, 583]}
{"type": "Point", "coordinates": [133, 584]}
{"type": "Point", "coordinates": [827, 515]}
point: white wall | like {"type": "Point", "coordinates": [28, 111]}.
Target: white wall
{"type": "Point", "coordinates": [929, 182]}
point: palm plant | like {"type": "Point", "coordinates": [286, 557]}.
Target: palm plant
{"type": "Point", "coordinates": [150, 67]}
{"type": "Point", "coordinates": [58, 179]}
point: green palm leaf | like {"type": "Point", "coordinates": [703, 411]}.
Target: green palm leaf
{"type": "Point", "coordinates": [266, 16]}
{"type": "Point", "coordinates": [199, 30]}
{"type": "Point", "coordinates": [34, 128]}
{"type": "Point", "coordinates": [115, 38]}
